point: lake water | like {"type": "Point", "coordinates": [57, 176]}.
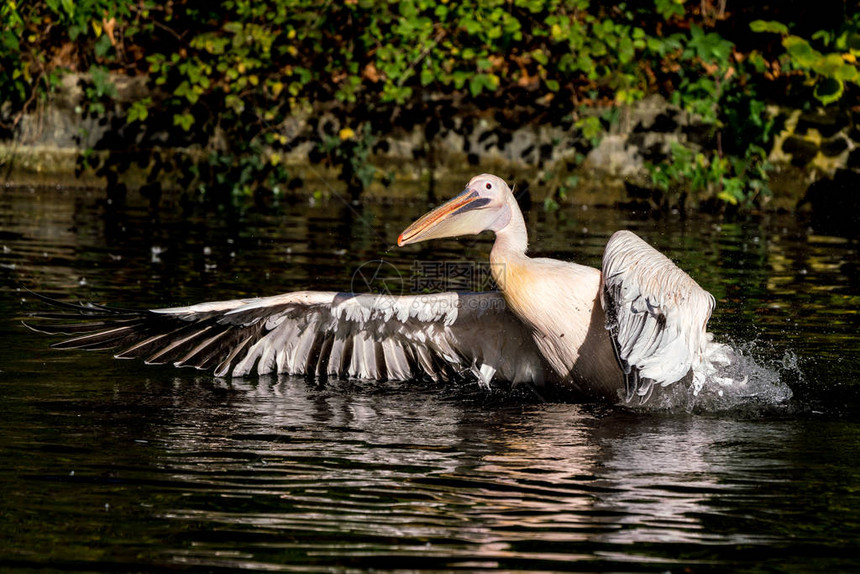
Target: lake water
{"type": "Point", "coordinates": [113, 465]}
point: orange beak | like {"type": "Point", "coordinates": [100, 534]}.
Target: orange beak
{"type": "Point", "coordinates": [458, 216]}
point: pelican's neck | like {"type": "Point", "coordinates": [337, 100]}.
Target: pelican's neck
{"type": "Point", "coordinates": [510, 246]}
{"type": "Point", "coordinates": [512, 239]}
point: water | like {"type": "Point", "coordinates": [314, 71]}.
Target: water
{"type": "Point", "coordinates": [112, 465]}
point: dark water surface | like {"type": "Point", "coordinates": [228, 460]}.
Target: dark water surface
{"type": "Point", "coordinates": [112, 465]}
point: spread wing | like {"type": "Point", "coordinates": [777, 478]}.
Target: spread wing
{"type": "Point", "coordinates": [655, 313]}
{"type": "Point", "coordinates": [318, 334]}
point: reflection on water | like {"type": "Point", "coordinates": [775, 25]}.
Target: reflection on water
{"type": "Point", "coordinates": [113, 465]}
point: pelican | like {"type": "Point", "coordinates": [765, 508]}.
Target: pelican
{"type": "Point", "coordinates": [610, 334]}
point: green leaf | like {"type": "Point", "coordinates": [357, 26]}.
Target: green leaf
{"type": "Point", "coordinates": [471, 26]}
{"type": "Point", "coordinates": [669, 8]}
{"type": "Point", "coordinates": [824, 35]}
{"type": "Point", "coordinates": [591, 127]}
{"type": "Point", "coordinates": [481, 82]}
{"type": "Point", "coordinates": [728, 197]}
{"type": "Point", "coordinates": [800, 51]}
{"type": "Point", "coordinates": [139, 111]}
{"type": "Point", "coordinates": [102, 46]}
{"type": "Point", "coordinates": [829, 90]}
{"type": "Point", "coordinates": [833, 66]}
{"type": "Point", "coordinates": [540, 57]}
{"type": "Point", "coordinates": [427, 77]}
{"type": "Point", "coordinates": [185, 90]}
{"type": "Point", "coordinates": [235, 103]}
{"type": "Point", "coordinates": [233, 27]}
{"type": "Point", "coordinates": [185, 121]}
{"type": "Point", "coordinates": [771, 26]}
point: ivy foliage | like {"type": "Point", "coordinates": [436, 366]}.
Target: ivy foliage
{"type": "Point", "coordinates": [229, 77]}
{"type": "Point", "coordinates": [827, 60]}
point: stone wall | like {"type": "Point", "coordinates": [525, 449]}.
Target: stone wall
{"type": "Point", "coordinates": [818, 153]}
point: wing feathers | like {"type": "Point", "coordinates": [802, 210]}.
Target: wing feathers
{"type": "Point", "coordinates": [197, 352]}
{"type": "Point", "coordinates": [177, 343]}
{"type": "Point", "coordinates": [223, 368]}
{"type": "Point", "coordinates": [656, 314]}
{"type": "Point", "coordinates": [318, 334]}
{"type": "Point", "coordinates": [99, 340]}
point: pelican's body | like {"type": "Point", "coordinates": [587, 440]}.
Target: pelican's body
{"type": "Point", "coordinates": [608, 335]}
{"type": "Point", "coordinates": [559, 303]}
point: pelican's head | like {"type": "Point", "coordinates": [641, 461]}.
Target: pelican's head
{"type": "Point", "coordinates": [483, 206]}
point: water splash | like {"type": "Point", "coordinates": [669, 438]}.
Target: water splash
{"type": "Point", "coordinates": [751, 381]}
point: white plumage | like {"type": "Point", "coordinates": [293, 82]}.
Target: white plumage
{"type": "Point", "coordinates": [656, 314]}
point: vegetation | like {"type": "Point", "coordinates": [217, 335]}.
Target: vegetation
{"type": "Point", "coordinates": [228, 78]}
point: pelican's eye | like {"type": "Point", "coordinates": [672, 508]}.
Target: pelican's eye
{"type": "Point", "coordinates": [489, 185]}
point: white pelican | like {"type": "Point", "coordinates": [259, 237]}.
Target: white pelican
{"type": "Point", "coordinates": [611, 335]}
